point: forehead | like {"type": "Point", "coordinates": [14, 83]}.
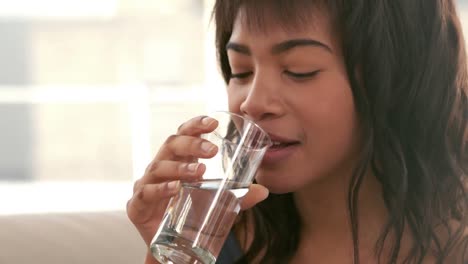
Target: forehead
{"type": "Point", "coordinates": [267, 25]}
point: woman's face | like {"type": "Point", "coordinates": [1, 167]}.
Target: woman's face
{"type": "Point", "coordinates": [294, 84]}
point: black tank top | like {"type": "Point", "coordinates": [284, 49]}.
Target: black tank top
{"type": "Point", "coordinates": [230, 252]}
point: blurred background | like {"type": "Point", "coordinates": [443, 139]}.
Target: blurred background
{"type": "Point", "coordinates": [89, 90]}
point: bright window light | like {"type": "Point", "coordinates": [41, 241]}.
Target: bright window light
{"type": "Point", "coordinates": [58, 8]}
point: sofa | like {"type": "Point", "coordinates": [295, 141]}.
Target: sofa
{"type": "Point", "coordinates": [70, 238]}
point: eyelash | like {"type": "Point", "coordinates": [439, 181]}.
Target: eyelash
{"type": "Point", "coordinates": [241, 75]}
{"type": "Point", "coordinates": [301, 75]}
{"type": "Point", "coordinates": [295, 75]}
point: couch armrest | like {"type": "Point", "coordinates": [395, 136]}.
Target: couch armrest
{"type": "Point", "coordinates": [104, 237]}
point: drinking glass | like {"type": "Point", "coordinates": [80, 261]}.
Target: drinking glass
{"type": "Point", "coordinates": [199, 218]}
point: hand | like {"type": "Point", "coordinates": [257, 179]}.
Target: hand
{"type": "Point", "coordinates": [176, 161]}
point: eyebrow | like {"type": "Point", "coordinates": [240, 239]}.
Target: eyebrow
{"type": "Point", "coordinates": [280, 47]}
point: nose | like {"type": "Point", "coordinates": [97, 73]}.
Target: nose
{"type": "Point", "coordinates": [263, 98]}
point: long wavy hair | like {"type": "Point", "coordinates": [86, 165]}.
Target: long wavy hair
{"type": "Point", "coordinates": [406, 65]}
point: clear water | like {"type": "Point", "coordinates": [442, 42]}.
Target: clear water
{"type": "Point", "coordinates": [197, 222]}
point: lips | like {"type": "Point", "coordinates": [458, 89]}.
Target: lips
{"type": "Point", "coordinates": [279, 144]}
{"type": "Point", "coordinates": [281, 149]}
{"type": "Point", "coordinates": [279, 141]}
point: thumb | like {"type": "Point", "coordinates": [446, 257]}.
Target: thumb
{"type": "Point", "coordinates": [256, 194]}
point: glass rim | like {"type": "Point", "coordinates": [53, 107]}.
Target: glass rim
{"type": "Point", "coordinates": [269, 142]}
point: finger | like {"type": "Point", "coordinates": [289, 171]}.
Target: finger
{"type": "Point", "coordinates": [148, 197]}
{"type": "Point", "coordinates": [169, 170]}
{"type": "Point", "coordinates": [197, 126]}
{"type": "Point", "coordinates": [256, 194]}
{"type": "Point", "coordinates": [181, 146]}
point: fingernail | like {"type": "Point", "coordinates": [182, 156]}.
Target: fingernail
{"type": "Point", "coordinates": [192, 167]}
{"type": "Point", "coordinates": [207, 147]}
{"type": "Point", "coordinates": [207, 120]}
{"type": "Point", "coordinates": [173, 185]}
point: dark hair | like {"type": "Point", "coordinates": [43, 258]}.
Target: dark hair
{"type": "Point", "coordinates": [411, 96]}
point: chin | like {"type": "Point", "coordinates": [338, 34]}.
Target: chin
{"type": "Point", "coordinates": [275, 185]}
{"type": "Point", "coordinates": [278, 190]}
{"type": "Point", "coordinates": [279, 182]}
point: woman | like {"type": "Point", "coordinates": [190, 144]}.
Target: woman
{"type": "Point", "coordinates": [368, 100]}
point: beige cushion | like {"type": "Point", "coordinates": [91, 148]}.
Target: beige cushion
{"type": "Point", "coordinates": [106, 237]}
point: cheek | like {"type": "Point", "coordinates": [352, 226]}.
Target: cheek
{"type": "Point", "coordinates": [333, 130]}
{"type": "Point", "coordinates": [337, 131]}
{"type": "Point", "coordinates": [335, 113]}
{"type": "Point", "coordinates": [331, 105]}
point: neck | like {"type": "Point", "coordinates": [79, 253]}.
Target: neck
{"type": "Point", "coordinates": [323, 209]}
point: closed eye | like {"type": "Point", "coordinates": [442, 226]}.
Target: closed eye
{"type": "Point", "coordinates": [302, 75]}
{"type": "Point", "coordinates": [241, 75]}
